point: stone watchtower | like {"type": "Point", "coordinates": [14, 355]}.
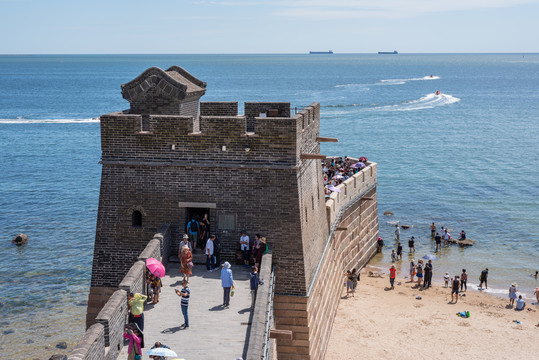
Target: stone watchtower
{"type": "Point", "coordinates": [169, 158]}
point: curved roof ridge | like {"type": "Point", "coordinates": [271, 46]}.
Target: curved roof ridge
{"type": "Point", "coordinates": [187, 75]}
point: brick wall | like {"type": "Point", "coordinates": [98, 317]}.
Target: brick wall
{"type": "Point", "coordinates": [91, 346]}
{"type": "Point", "coordinates": [223, 108]}
{"type": "Point", "coordinates": [310, 317]}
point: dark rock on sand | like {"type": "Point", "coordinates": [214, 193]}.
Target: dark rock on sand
{"type": "Point", "coordinates": [29, 341]}
{"type": "Point", "coordinates": [6, 332]}
{"type": "Point", "coordinates": [61, 345]}
{"type": "Point", "coordinates": [388, 213]}
{"type": "Point", "coordinates": [58, 357]}
{"type": "Point", "coordinates": [20, 239]}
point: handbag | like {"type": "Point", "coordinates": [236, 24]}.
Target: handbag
{"type": "Point", "coordinates": [190, 264]}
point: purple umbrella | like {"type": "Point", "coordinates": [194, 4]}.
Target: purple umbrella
{"type": "Point", "coordinates": [360, 165]}
{"type": "Point", "coordinates": [333, 188]}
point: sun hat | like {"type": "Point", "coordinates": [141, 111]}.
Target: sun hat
{"type": "Point", "coordinates": [514, 284]}
{"type": "Point", "coordinates": [185, 236]}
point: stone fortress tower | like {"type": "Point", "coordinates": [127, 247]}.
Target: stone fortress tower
{"type": "Point", "coordinates": [170, 157]}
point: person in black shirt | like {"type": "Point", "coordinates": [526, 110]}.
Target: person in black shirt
{"type": "Point", "coordinates": [455, 288]}
{"type": "Point", "coordinates": [483, 279]}
{"type": "Point", "coordinates": [438, 239]}
{"type": "Point", "coordinates": [428, 275]}
{"type": "Point", "coordinates": [399, 251]}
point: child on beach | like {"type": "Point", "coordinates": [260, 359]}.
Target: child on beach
{"type": "Point", "coordinates": [392, 275]}
{"type": "Point", "coordinates": [412, 270]}
{"type": "Point", "coordinates": [419, 270]}
{"type": "Point", "coordinates": [455, 289]}
{"type": "Point", "coordinates": [446, 279]}
{"type": "Point", "coordinates": [349, 283]}
{"type": "Point", "coordinates": [393, 256]}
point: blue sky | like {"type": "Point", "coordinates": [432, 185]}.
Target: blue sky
{"type": "Point", "coordinates": [267, 26]}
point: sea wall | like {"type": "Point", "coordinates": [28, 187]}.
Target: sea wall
{"type": "Point", "coordinates": [103, 338]}
{"type": "Point", "coordinates": [353, 221]}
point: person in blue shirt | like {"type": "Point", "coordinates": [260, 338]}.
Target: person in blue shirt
{"type": "Point", "coordinates": [192, 230]}
{"type": "Point", "coordinates": [227, 282]}
{"type": "Point", "coordinates": [521, 304]}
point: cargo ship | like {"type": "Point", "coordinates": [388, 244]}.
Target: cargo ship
{"type": "Point", "coordinates": [321, 52]}
{"type": "Point", "coordinates": [387, 52]}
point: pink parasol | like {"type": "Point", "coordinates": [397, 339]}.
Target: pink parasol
{"type": "Point", "coordinates": [156, 267]}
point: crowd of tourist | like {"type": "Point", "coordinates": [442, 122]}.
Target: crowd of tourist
{"type": "Point", "coordinates": [337, 170]}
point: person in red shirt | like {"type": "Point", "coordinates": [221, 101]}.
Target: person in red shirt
{"type": "Point", "coordinates": [392, 274]}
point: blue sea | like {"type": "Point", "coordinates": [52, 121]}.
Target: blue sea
{"type": "Point", "coordinates": [467, 159]}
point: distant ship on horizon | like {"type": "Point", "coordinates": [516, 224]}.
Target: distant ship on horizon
{"type": "Point", "coordinates": [388, 52]}
{"type": "Point", "coordinates": [321, 52]}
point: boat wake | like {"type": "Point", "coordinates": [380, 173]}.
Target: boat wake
{"type": "Point", "coordinates": [404, 81]}
{"type": "Point", "coordinates": [426, 102]}
{"type": "Point", "coordinates": [48, 121]}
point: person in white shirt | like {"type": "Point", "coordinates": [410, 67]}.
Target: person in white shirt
{"type": "Point", "coordinates": [244, 242]}
{"type": "Point", "coordinates": [210, 260]}
{"type": "Point", "coordinates": [520, 303]}
{"type": "Point", "coordinates": [397, 232]}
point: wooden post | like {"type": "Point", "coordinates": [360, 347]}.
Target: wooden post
{"type": "Point", "coordinates": [326, 139]}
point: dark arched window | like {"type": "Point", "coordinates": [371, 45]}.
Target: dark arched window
{"type": "Point", "coordinates": [136, 218]}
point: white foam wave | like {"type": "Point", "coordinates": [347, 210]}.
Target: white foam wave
{"type": "Point", "coordinates": [48, 121]}
{"type": "Point", "coordinates": [426, 102]}
{"type": "Point", "coordinates": [404, 81]}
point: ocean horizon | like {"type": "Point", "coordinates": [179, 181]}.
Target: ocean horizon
{"type": "Point", "coordinates": [466, 159]}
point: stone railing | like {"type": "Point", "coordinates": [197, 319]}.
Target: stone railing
{"type": "Point", "coordinates": [353, 187]}
{"type": "Point", "coordinates": [259, 345]}
{"type": "Point", "coordinates": [104, 339]}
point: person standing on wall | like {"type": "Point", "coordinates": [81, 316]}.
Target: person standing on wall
{"type": "Point", "coordinates": [136, 306]}
{"type": "Point", "coordinates": [244, 243]}
{"type": "Point", "coordinates": [184, 294]}
{"type": "Point", "coordinates": [208, 250]}
{"type": "Point", "coordinates": [192, 230]}
{"type": "Point", "coordinates": [227, 282]}
{"type": "Point", "coordinates": [260, 250]}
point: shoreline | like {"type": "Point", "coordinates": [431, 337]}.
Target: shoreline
{"type": "Point", "coordinates": [380, 323]}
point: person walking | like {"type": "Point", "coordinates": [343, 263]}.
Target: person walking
{"type": "Point", "coordinates": [397, 232]}
{"type": "Point", "coordinates": [244, 243]}
{"type": "Point", "coordinates": [186, 261]}
{"type": "Point", "coordinates": [392, 275]}
{"type": "Point", "coordinates": [463, 280]}
{"type": "Point", "coordinates": [428, 274]}
{"type": "Point", "coordinates": [399, 251]}
{"type": "Point", "coordinates": [438, 240]}
{"type": "Point", "coordinates": [483, 279]}
{"type": "Point", "coordinates": [455, 289]}
{"type": "Point", "coordinates": [208, 250]}
{"type": "Point", "coordinates": [227, 282]}
{"type": "Point", "coordinates": [412, 271]}
{"type": "Point", "coordinates": [135, 303]}
{"type": "Point", "coordinates": [419, 269]}
{"type": "Point", "coordinates": [185, 242]}
{"type": "Point", "coordinates": [512, 294]}
{"type": "Point", "coordinates": [380, 244]}
{"type": "Point", "coordinates": [355, 279]}
{"type": "Point", "coordinates": [254, 282]}
{"type": "Point", "coordinates": [184, 294]}
{"type": "Point", "coordinates": [411, 244]}
{"type": "Point", "coordinates": [192, 230]}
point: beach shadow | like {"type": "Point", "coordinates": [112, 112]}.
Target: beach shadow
{"type": "Point", "coordinates": [171, 330]}
{"type": "Point", "coordinates": [217, 308]}
{"type": "Point", "coordinates": [508, 306]}
{"type": "Point", "coordinates": [176, 284]}
{"type": "Point", "coordinates": [452, 303]}
{"type": "Point", "coordinates": [388, 289]}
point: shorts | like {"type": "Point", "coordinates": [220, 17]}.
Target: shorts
{"type": "Point", "coordinates": [419, 275]}
{"type": "Point", "coordinates": [349, 285]}
{"type": "Point", "coordinates": [438, 242]}
{"type": "Point", "coordinates": [456, 291]}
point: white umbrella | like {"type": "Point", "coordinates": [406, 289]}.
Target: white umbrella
{"type": "Point", "coordinates": [161, 352]}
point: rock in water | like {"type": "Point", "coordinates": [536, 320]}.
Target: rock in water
{"type": "Point", "coordinates": [61, 345]}
{"type": "Point", "coordinates": [20, 239]}
{"type": "Point", "coordinates": [388, 213]}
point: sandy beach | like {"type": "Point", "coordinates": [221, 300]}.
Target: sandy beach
{"type": "Point", "coordinates": [378, 323]}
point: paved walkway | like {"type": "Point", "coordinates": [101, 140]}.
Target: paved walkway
{"type": "Point", "coordinates": [214, 332]}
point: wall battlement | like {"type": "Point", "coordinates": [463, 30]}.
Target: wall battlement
{"type": "Point", "coordinates": [169, 138]}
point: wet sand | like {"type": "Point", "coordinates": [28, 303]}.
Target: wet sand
{"type": "Point", "coordinates": [378, 323]}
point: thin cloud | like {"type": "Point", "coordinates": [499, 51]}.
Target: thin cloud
{"type": "Point", "coordinates": [368, 8]}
